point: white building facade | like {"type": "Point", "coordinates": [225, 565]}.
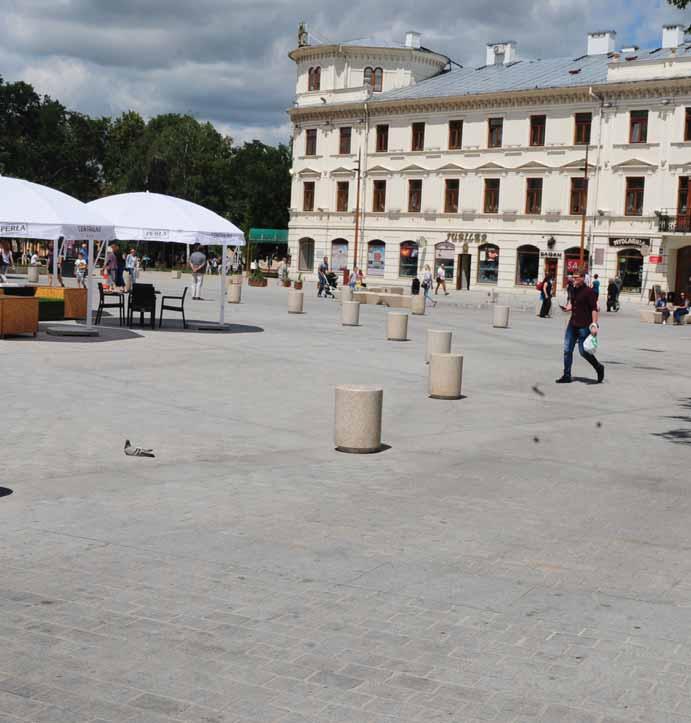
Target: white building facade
{"type": "Point", "coordinates": [483, 169]}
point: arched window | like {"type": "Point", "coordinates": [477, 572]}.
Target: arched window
{"type": "Point", "coordinates": [444, 253]}
{"type": "Point", "coordinates": [527, 265]}
{"type": "Point", "coordinates": [314, 76]}
{"type": "Point", "coordinates": [378, 80]}
{"type": "Point", "coordinates": [339, 254]}
{"type": "Point", "coordinates": [306, 254]}
{"type": "Point", "coordinates": [407, 265]}
{"type": "Point", "coordinates": [488, 264]}
{"type": "Point", "coordinates": [572, 262]}
{"type": "Point", "coordinates": [369, 76]}
{"type": "Point", "coordinates": [630, 269]}
{"type": "Point", "coordinates": [376, 251]}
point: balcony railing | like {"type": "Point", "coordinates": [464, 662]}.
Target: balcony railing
{"type": "Point", "coordinates": [669, 221]}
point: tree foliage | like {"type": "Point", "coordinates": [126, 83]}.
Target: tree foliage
{"type": "Point", "coordinates": [42, 141]}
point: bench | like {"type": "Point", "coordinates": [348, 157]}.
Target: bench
{"type": "Point", "coordinates": [653, 316]}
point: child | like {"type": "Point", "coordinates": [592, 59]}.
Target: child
{"type": "Point", "coordinates": [80, 269]}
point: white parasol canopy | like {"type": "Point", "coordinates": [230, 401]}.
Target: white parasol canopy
{"type": "Point", "coordinates": [28, 210]}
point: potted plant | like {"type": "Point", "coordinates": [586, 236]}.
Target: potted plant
{"type": "Point", "coordinates": [286, 282]}
{"type": "Point", "coordinates": [297, 284]}
{"type": "Point", "coordinates": [257, 278]}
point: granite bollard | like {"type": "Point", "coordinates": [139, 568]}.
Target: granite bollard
{"type": "Point", "coordinates": [396, 326]}
{"type": "Point", "coordinates": [358, 418]}
{"type": "Point", "coordinates": [438, 342]}
{"type": "Point", "coordinates": [296, 300]}
{"type": "Point", "coordinates": [417, 304]}
{"type": "Point", "coordinates": [500, 317]}
{"type": "Point", "coordinates": [234, 292]}
{"type": "Point", "coordinates": [346, 294]}
{"type": "Point", "coordinates": [445, 376]}
{"type": "Point", "coordinates": [350, 313]}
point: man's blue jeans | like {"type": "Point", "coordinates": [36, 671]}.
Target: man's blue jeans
{"type": "Point", "coordinates": [576, 335]}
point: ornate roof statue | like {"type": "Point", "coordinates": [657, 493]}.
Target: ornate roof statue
{"type": "Point", "coordinates": [302, 36]}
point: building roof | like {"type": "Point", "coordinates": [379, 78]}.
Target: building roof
{"type": "Point", "coordinates": [371, 42]}
{"type": "Point", "coordinates": [525, 75]}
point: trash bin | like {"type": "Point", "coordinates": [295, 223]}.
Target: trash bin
{"type": "Point", "coordinates": [32, 275]}
{"type": "Point", "coordinates": [68, 269]}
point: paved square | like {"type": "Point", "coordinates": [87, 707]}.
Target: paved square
{"type": "Point", "coordinates": [512, 557]}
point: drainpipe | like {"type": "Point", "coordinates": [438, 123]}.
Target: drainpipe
{"type": "Point", "coordinates": [363, 171]}
{"type": "Point", "coordinates": [597, 166]}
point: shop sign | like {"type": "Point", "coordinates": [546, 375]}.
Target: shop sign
{"type": "Point", "coordinates": [550, 254]}
{"type": "Point", "coordinates": [638, 243]}
{"type": "Point", "coordinates": [655, 259]}
{"type": "Point", "coordinates": [463, 236]}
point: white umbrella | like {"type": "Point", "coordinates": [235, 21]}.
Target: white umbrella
{"type": "Point", "coordinates": [29, 210]}
{"type": "Point", "coordinates": [156, 217]}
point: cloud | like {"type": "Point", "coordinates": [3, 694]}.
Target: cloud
{"type": "Point", "coordinates": [226, 60]}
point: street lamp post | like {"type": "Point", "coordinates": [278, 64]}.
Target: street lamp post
{"type": "Point", "coordinates": [357, 209]}
{"type": "Point", "coordinates": [581, 253]}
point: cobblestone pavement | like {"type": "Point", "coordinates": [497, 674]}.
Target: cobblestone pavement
{"type": "Point", "coordinates": [519, 555]}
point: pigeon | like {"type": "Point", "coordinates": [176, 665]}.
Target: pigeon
{"type": "Point", "coordinates": [131, 451]}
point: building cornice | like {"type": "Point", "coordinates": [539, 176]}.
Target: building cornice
{"type": "Point", "coordinates": [334, 50]}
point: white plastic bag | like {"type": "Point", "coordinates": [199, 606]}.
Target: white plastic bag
{"type": "Point", "coordinates": [590, 344]}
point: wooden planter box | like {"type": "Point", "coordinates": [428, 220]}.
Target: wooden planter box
{"type": "Point", "coordinates": [18, 315]}
{"type": "Point", "coordinates": [75, 299]}
{"type": "Point", "coordinates": [256, 282]}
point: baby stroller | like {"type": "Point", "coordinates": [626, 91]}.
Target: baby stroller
{"type": "Point", "coordinates": [327, 281]}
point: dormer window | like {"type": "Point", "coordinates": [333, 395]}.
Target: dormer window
{"type": "Point", "coordinates": [374, 77]}
{"type": "Point", "coordinates": [314, 78]}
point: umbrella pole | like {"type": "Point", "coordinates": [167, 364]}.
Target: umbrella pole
{"type": "Point", "coordinates": [222, 308]}
{"type": "Point", "coordinates": [90, 286]}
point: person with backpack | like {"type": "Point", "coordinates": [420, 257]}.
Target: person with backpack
{"type": "Point", "coordinates": [545, 288]}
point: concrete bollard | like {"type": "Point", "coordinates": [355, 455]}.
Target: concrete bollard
{"type": "Point", "coordinates": [500, 319]}
{"type": "Point", "coordinates": [445, 376]}
{"type": "Point", "coordinates": [396, 326]}
{"type": "Point", "coordinates": [350, 313]}
{"type": "Point", "coordinates": [346, 294]}
{"type": "Point", "coordinates": [417, 304]}
{"type": "Point", "coordinates": [176, 274]}
{"type": "Point", "coordinates": [438, 342]}
{"type": "Point", "coordinates": [358, 418]}
{"type": "Point", "coordinates": [296, 300]}
{"type": "Point", "coordinates": [32, 274]}
{"type": "Point", "coordinates": [234, 293]}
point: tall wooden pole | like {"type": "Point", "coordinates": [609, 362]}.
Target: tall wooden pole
{"type": "Point", "coordinates": [357, 209]}
{"type": "Point", "coordinates": [581, 254]}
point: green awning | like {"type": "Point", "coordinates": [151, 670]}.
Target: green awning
{"type": "Point", "coordinates": [269, 235]}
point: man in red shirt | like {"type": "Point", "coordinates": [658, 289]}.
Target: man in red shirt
{"type": "Point", "coordinates": [583, 321]}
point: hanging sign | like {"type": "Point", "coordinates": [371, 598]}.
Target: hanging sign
{"type": "Point", "coordinates": [655, 259]}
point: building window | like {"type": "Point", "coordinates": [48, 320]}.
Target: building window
{"type": "Point", "coordinates": [491, 195]}
{"type": "Point", "coordinates": [444, 253]}
{"type": "Point", "coordinates": [488, 264]}
{"type": "Point", "coordinates": [579, 196]}
{"type": "Point", "coordinates": [538, 124]}
{"type": "Point", "coordinates": [314, 78]}
{"type": "Point", "coordinates": [306, 254]}
{"type": "Point", "coordinates": [452, 187]}
{"type": "Point", "coordinates": [407, 264]}
{"type": "Point", "coordinates": [683, 197]}
{"type": "Point", "coordinates": [455, 134]}
{"type": "Point", "coordinates": [584, 122]}
{"type": "Point", "coordinates": [382, 139]}
{"type": "Point", "coordinates": [379, 197]}
{"type": "Point", "coordinates": [339, 254]}
{"type": "Point", "coordinates": [533, 195]}
{"type": "Point", "coordinates": [414, 196]}
{"type": "Point", "coordinates": [376, 254]}
{"type": "Point", "coordinates": [630, 269]}
{"type": "Point", "coordinates": [687, 125]}
{"type": "Point", "coordinates": [638, 128]}
{"type": "Point", "coordinates": [342, 192]}
{"type": "Point", "coordinates": [495, 128]}
{"type": "Point", "coordinates": [374, 77]}
{"type": "Point", "coordinates": [311, 142]}
{"type": "Point", "coordinates": [344, 135]}
{"type": "Point", "coordinates": [418, 141]}
{"type": "Point", "coordinates": [527, 265]}
{"type": "Point", "coordinates": [634, 196]}
{"type": "Point", "coordinates": [308, 196]}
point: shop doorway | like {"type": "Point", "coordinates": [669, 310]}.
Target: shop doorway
{"type": "Point", "coordinates": [443, 256]}
{"type": "Point", "coordinates": [463, 276]}
{"type": "Point", "coordinates": [552, 269]}
{"type": "Point", "coordinates": [683, 282]}
{"type": "Point", "coordinates": [630, 270]}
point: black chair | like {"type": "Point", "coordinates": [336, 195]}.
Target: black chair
{"type": "Point", "coordinates": [103, 304]}
{"type": "Point", "coordinates": [143, 300]}
{"type": "Point", "coordinates": [172, 307]}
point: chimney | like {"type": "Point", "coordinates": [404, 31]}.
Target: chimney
{"type": "Point", "coordinates": [672, 36]}
{"type": "Point", "coordinates": [601, 42]}
{"type": "Point", "coordinates": [501, 53]}
{"type": "Point", "coordinates": [412, 39]}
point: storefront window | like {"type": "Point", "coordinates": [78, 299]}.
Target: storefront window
{"type": "Point", "coordinates": [444, 254]}
{"type": "Point", "coordinates": [375, 258]}
{"type": "Point", "coordinates": [630, 269]}
{"type": "Point", "coordinates": [339, 254]}
{"type": "Point", "coordinates": [527, 265]}
{"type": "Point", "coordinates": [572, 262]}
{"type": "Point", "coordinates": [407, 265]}
{"type": "Point", "coordinates": [306, 254]}
{"type": "Point", "coordinates": [488, 264]}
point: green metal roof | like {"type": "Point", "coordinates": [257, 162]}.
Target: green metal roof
{"type": "Point", "coordinates": [269, 235]}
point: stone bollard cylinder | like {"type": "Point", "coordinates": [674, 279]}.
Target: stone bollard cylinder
{"type": "Point", "coordinates": [500, 319]}
{"type": "Point", "coordinates": [396, 326]}
{"type": "Point", "coordinates": [417, 304]}
{"type": "Point", "coordinates": [445, 376]}
{"type": "Point", "coordinates": [350, 313]}
{"type": "Point", "coordinates": [346, 294]}
{"type": "Point", "coordinates": [32, 275]}
{"type": "Point", "coordinates": [296, 300]}
{"type": "Point", "coordinates": [234, 293]}
{"type": "Point", "coordinates": [358, 418]}
{"type": "Point", "coordinates": [438, 342]}
{"type": "Point", "coordinates": [176, 274]}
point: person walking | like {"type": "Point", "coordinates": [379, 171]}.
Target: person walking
{"type": "Point", "coordinates": [6, 261]}
{"type": "Point", "coordinates": [612, 296]}
{"type": "Point", "coordinates": [583, 321]}
{"type": "Point", "coordinates": [441, 280]}
{"type": "Point", "coordinates": [427, 285]}
{"type": "Point", "coordinates": [322, 271]}
{"type": "Point", "coordinates": [282, 272]}
{"type": "Point", "coordinates": [596, 286]}
{"type": "Point", "coordinates": [546, 297]}
{"type": "Point", "coordinates": [198, 266]}
{"type": "Point", "coordinates": [132, 267]}
{"type": "Point", "coordinates": [80, 267]}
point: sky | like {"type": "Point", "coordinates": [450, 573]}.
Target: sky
{"type": "Point", "coordinates": [226, 61]}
